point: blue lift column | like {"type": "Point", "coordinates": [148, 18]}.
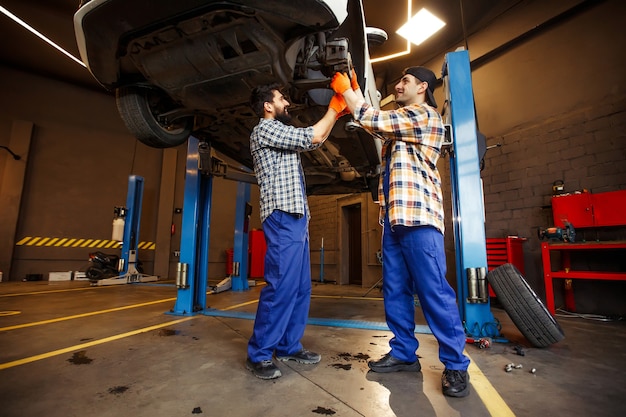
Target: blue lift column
{"type": "Point", "coordinates": [192, 270]}
{"type": "Point", "coordinates": [239, 278]}
{"type": "Point", "coordinates": [467, 199]}
{"type": "Point", "coordinates": [130, 242]}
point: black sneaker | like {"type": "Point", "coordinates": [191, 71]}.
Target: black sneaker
{"type": "Point", "coordinates": [454, 383]}
{"type": "Point", "coordinates": [304, 356]}
{"type": "Point", "coordinates": [264, 369]}
{"type": "Point", "coordinates": [390, 364]}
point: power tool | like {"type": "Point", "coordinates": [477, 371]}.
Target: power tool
{"type": "Point", "coordinates": [566, 234]}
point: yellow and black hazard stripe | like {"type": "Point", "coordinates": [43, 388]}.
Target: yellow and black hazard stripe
{"type": "Point", "coordinates": [67, 242]}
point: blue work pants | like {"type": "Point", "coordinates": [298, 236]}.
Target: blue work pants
{"type": "Point", "coordinates": [414, 262]}
{"type": "Point", "coordinates": [284, 302]}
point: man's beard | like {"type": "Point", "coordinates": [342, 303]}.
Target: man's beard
{"type": "Point", "coordinates": [284, 117]}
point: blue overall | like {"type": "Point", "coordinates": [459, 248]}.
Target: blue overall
{"type": "Point", "coordinates": [284, 302]}
{"type": "Point", "coordinates": [414, 262]}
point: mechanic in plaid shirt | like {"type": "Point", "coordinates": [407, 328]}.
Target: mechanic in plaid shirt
{"type": "Point", "coordinates": [411, 212]}
{"type": "Point", "coordinates": [284, 302]}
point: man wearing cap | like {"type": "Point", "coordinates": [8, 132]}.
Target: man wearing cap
{"type": "Point", "coordinates": [411, 213]}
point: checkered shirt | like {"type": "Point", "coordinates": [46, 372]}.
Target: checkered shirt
{"type": "Point", "coordinates": [276, 149]}
{"type": "Point", "coordinates": [412, 137]}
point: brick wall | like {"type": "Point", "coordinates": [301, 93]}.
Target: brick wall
{"type": "Point", "coordinates": [585, 148]}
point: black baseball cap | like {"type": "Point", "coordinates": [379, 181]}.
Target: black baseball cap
{"type": "Point", "coordinates": [424, 74]}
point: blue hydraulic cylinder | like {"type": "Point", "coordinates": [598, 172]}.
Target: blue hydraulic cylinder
{"type": "Point", "coordinates": [239, 277]}
{"type": "Point", "coordinates": [467, 196]}
{"type": "Point", "coordinates": [130, 241]}
{"type": "Point", "coordinates": [192, 270]}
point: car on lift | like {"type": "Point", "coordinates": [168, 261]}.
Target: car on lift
{"type": "Point", "coordinates": [187, 67]}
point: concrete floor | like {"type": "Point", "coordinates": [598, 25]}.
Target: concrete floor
{"type": "Point", "coordinates": [69, 349]}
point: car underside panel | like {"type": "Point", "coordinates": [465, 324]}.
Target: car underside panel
{"type": "Point", "coordinates": [104, 28]}
{"type": "Point", "coordinates": [222, 63]}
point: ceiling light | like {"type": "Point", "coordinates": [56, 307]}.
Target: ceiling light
{"type": "Point", "coordinates": [408, 43]}
{"type": "Point", "coordinates": [420, 27]}
{"type": "Point", "coordinates": [39, 34]}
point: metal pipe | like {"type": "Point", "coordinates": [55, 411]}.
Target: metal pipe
{"type": "Point", "coordinates": [483, 291]}
{"type": "Point", "coordinates": [472, 285]}
{"type": "Point", "coordinates": [181, 275]}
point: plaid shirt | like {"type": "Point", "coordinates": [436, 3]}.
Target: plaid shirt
{"type": "Point", "coordinates": [276, 149]}
{"type": "Point", "coordinates": [412, 138]}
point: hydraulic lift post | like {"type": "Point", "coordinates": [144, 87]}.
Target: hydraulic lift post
{"type": "Point", "coordinates": [239, 277]}
{"type": "Point", "coordinates": [128, 272]}
{"type": "Point", "coordinates": [467, 199]}
{"type": "Point", "coordinates": [192, 269]}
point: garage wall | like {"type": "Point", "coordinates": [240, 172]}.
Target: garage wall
{"type": "Point", "coordinates": [76, 158]}
{"type": "Point", "coordinates": [557, 106]}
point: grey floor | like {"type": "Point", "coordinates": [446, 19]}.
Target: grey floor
{"type": "Point", "coordinates": [69, 349]}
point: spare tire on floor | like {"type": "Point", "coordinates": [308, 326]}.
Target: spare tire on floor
{"type": "Point", "coordinates": [526, 310]}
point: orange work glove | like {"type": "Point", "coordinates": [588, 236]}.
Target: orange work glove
{"type": "Point", "coordinates": [343, 113]}
{"type": "Point", "coordinates": [353, 80]}
{"type": "Point", "coordinates": [340, 83]}
{"type": "Point", "coordinates": [337, 103]}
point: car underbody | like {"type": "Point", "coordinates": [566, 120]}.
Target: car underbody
{"type": "Point", "coordinates": [190, 70]}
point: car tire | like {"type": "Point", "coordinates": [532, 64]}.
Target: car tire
{"type": "Point", "coordinates": [139, 108]}
{"type": "Point", "coordinates": [523, 306]}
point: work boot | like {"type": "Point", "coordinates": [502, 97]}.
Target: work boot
{"type": "Point", "coordinates": [304, 356]}
{"type": "Point", "coordinates": [454, 383]}
{"type": "Point", "coordinates": [390, 364]}
{"type": "Point", "coordinates": [264, 369]}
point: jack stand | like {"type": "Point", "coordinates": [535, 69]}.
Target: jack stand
{"type": "Point", "coordinates": [467, 199]}
{"type": "Point", "coordinates": [128, 260]}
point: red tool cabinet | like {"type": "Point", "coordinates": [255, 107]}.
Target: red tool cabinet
{"type": "Point", "coordinates": [590, 209]}
{"type": "Point", "coordinates": [502, 251]}
{"type": "Point", "coordinates": [258, 247]}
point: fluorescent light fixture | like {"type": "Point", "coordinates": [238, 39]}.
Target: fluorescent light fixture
{"type": "Point", "coordinates": [420, 27]}
{"type": "Point", "coordinates": [40, 35]}
{"type": "Point", "coordinates": [408, 43]}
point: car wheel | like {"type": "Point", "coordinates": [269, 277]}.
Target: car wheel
{"type": "Point", "coordinates": [140, 109]}
{"type": "Point", "coordinates": [526, 310]}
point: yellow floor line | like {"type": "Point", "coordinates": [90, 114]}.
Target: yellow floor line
{"type": "Point", "coordinates": [241, 305]}
{"type": "Point", "coordinates": [77, 316]}
{"type": "Point", "coordinates": [89, 344]}
{"type": "Point", "coordinates": [52, 291]}
{"type": "Point", "coordinates": [494, 403]}
{"type": "Point", "coordinates": [487, 393]}
{"type": "Point", "coordinates": [92, 313]}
